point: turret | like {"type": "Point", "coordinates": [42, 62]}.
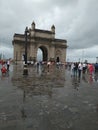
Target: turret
{"type": "Point", "coordinates": [33, 25]}
{"type": "Point", "coordinates": [53, 28]}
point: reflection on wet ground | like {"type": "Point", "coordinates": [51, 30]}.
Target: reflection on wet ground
{"type": "Point", "coordinates": [48, 100]}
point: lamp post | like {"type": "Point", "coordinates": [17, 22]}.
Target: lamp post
{"type": "Point", "coordinates": [26, 32]}
{"type": "Point", "coordinates": [25, 71]}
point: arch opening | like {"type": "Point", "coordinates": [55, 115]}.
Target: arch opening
{"type": "Point", "coordinates": [58, 59]}
{"type": "Point", "coordinates": [42, 54]}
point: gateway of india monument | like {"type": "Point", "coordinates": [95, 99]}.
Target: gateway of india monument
{"type": "Point", "coordinates": [53, 49]}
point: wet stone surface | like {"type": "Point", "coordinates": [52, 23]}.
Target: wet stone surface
{"type": "Point", "coordinates": [48, 100]}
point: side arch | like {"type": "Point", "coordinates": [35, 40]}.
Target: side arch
{"type": "Point", "coordinates": [58, 55]}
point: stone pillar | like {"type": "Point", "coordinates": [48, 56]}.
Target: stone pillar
{"type": "Point", "coordinates": [52, 52]}
{"type": "Point", "coordinates": [33, 51]}
{"type": "Point", "coordinates": [63, 57]}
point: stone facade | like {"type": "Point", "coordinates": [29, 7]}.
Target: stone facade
{"type": "Point", "coordinates": [52, 48]}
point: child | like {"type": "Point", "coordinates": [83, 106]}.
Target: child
{"type": "Point", "coordinates": [3, 69]}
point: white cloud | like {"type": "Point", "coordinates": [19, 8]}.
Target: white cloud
{"type": "Point", "coordinates": [6, 52]}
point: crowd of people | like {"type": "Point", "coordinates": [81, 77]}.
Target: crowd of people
{"type": "Point", "coordinates": [78, 68]}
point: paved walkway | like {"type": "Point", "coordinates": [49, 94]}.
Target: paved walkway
{"type": "Point", "coordinates": [47, 100]}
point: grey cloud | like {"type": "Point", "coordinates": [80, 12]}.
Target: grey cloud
{"type": "Point", "coordinates": [75, 20]}
{"type": "Point", "coordinates": [82, 33]}
{"type": "Point", "coordinates": [63, 3]}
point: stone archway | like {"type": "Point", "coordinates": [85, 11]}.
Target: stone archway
{"type": "Point", "coordinates": [43, 39]}
{"type": "Point", "coordinates": [44, 53]}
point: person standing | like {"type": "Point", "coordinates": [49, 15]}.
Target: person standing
{"type": "Point", "coordinates": [75, 69]}
{"type": "Point", "coordinates": [91, 69]}
{"type": "Point", "coordinates": [3, 69]}
{"type": "Point", "coordinates": [37, 64]}
{"type": "Point", "coordinates": [72, 69]}
{"type": "Point", "coordinates": [79, 69]}
{"type": "Point", "coordinates": [8, 64]}
{"type": "Point", "coordinates": [84, 68]}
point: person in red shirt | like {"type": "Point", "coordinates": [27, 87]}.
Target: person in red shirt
{"type": "Point", "coordinates": [3, 69]}
{"type": "Point", "coordinates": [91, 69]}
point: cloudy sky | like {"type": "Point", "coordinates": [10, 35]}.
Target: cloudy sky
{"type": "Point", "coordinates": [74, 20]}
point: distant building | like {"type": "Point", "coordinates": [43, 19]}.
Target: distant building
{"type": "Point", "coordinates": [96, 59]}
{"type": "Point", "coordinates": [52, 48]}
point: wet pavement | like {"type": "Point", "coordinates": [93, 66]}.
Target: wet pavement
{"type": "Point", "coordinates": [48, 100]}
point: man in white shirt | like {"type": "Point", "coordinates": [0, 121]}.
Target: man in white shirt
{"type": "Point", "coordinates": [80, 67]}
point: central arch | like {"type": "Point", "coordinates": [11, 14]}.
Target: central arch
{"type": "Point", "coordinates": [44, 53]}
